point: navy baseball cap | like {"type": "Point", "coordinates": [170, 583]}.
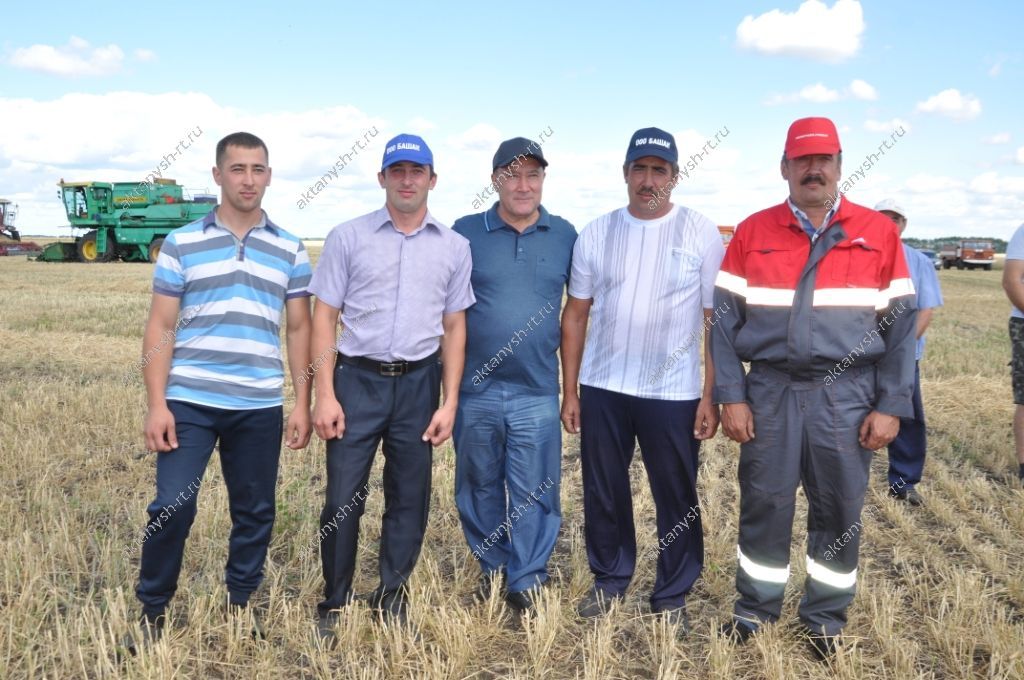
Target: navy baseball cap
{"type": "Point", "coordinates": [511, 149]}
{"type": "Point", "coordinates": [407, 148]}
{"type": "Point", "coordinates": [652, 141]}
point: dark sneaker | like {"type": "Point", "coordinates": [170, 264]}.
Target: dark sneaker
{"type": "Point", "coordinates": [736, 631]}
{"type": "Point", "coordinates": [676, 616]}
{"type": "Point", "coordinates": [392, 606]}
{"type": "Point", "coordinates": [597, 603]}
{"type": "Point", "coordinates": [824, 647]}
{"type": "Point", "coordinates": [151, 629]}
{"type": "Point", "coordinates": [909, 495]}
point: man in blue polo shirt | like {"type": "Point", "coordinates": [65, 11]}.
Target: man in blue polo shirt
{"type": "Point", "coordinates": [907, 450]}
{"type": "Point", "coordinates": [508, 441]}
{"type": "Point", "coordinates": [229, 275]}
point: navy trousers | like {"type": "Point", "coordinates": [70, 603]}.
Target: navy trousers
{"type": "Point", "coordinates": [397, 410]}
{"type": "Point", "coordinates": [907, 450]}
{"type": "Point", "coordinates": [611, 426]}
{"type": "Point", "coordinates": [250, 446]}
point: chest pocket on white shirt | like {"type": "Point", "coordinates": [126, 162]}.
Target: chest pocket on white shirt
{"type": "Point", "coordinates": [683, 267]}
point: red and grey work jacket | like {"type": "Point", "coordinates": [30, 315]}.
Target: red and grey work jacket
{"type": "Point", "coordinates": [815, 311]}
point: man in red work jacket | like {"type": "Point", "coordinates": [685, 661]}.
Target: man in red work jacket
{"type": "Point", "coordinates": [821, 304]}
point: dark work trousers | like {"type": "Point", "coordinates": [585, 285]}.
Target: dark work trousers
{"type": "Point", "coordinates": [250, 446]}
{"type": "Point", "coordinates": [611, 425]}
{"type": "Point", "coordinates": [398, 410]}
{"type": "Point", "coordinates": [906, 452]}
{"type": "Point", "coordinates": [805, 432]}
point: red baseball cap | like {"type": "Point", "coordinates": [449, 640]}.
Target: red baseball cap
{"type": "Point", "coordinates": [809, 136]}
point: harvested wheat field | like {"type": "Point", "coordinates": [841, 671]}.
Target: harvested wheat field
{"type": "Point", "coordinates": [941, 588]}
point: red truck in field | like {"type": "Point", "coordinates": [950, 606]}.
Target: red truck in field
{"type": "Point", "coordinates": [968, 255]}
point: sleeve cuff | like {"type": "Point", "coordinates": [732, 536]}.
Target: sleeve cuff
{"type": "Point", "coordinates": [729, 394]}
{"type": "Point", "coordinates": [894, 406]}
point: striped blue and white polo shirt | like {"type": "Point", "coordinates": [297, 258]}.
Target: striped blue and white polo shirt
{"type": "Point", "coordinates": [227, 347]}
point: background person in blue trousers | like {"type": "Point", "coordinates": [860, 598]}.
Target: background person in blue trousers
{"type": "Point", "coordinates": [907, 450]}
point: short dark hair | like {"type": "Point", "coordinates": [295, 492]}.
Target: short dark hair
{"type": "Point", "coordinates": [245, 140]}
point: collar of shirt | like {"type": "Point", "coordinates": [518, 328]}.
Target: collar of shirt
{"type": "Point", "coordinates": [382, 218]}
{"type": "Point", "coordinates": [212, 219]}
{"type": "Point", "coordinates": [493, 221]}
{"type": "Point", "coordinates": [805, 221]}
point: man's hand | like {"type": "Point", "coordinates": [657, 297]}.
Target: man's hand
{"type": "Point", "coordinates": [571, 413]}
{"type": "Point", "coordinates": [705, 425]}
{"type": "Point", "coordinates": [328, 419]}
{"type": "Point", "coordinates": [158, 429]}
{"type": "Point", "coordinates": [298, 428]}
{"type": "Point", "coordinates": [738, 422]}
{"type": "Point", "coordinates": [878, 429]}
{"type": "Point", "coordinates": [440, 427]}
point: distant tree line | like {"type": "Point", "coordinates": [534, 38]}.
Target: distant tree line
{"type": "Point", "coordinates": [998, 244]}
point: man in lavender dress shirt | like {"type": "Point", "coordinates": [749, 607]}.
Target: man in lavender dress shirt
{"type": "Point", "coordinates": [400, 280]}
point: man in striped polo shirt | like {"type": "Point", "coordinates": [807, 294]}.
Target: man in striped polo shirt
{"type": "Point", "coordinates": [644, 274]}
{"type": "Point", "coordinates": [230, 274]}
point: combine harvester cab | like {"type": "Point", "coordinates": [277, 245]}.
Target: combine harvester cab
{"type": "Point", "coordinates": [124, 220]}
{"type": "Point", "coordinates": [10, 238]}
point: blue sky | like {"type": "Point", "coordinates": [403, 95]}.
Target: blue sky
{"type": "Point", "coordinates": [104, 92]}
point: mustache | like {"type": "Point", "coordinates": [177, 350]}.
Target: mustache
{"type": "Point", "coordinates": [813, 178]}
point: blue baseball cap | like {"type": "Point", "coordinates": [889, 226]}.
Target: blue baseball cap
{"type": "Point", "coordinates": [652, 141]}
{"type": "Point", "coordinates": [407, 148]}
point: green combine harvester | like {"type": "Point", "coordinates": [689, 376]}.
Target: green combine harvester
{"type": "Point", "coordinates": [125, 220]}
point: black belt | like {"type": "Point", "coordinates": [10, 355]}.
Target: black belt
{"type": "Point", "coordinates": [389, 368]}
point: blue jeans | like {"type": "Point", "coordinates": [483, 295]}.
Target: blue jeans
{"type": "Point", "coordinates": [508, 449]}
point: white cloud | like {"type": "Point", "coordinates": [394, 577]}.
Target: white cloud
{"type": "Point", "coordinates": [952, 104]}
{"type": "Point", "coordinates": [814, 31]}
{"type": "Point", "coordinates": [421, 124]}
{"type": "Point", "coordinates": [923, 183]}
{"type": "Point", "coordinates": [886, 125]}
{"type": "Point", "coordinates": [77, 58]}
{"type": "Point", "coordinates": [998, 138]}
{"type": "Point", "coordinates": [993, 183]}
{"type": "Point", "coordinates": [996, 68]}
{"type": "Point", "coordinates": [145, 55]}
{"type": "Point", "coordinates": [862, 90]}
{"type": "Point", "coordinates": [817, 93]}
{"type": "Point", "coordinates": [1020, 155]}
{"type": "Point", "coordinates": [480, 136]}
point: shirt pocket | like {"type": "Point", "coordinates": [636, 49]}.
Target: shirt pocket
{"type": "Point", "coordinates": [769, 267]}
{"type": "Point", "coordinates": [853, 265]}
{"type": "Point", "coordinates": [684, 267]}
{"type": "Point", "coordinates": [549, 279]}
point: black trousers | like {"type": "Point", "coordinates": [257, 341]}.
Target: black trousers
{"type": "Point", "coordinates": [612, 424]}
{"type": "Point", "coordinates": [397, 410]}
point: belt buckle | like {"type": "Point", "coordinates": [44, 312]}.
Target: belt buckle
{"type": "Point", "coordinates": [392, 368]}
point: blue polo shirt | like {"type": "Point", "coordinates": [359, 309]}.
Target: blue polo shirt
{"type": "Point", "coordinates": [513, 331]}
{"type": "Point", "coordinates": [926, 285]}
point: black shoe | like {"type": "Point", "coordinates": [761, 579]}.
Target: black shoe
{"type": "Point", "coordinates": [736, 631]}
{"type": "Point", "coordinates": [597, 603]}
{"type": "Point", "coordinates": [327, 628]}
{"type": "Point", "coordinates": [256, 630]}
{"type": "Point", "coordinates": [823, 646]}
{"type": "Point", "coordinates": [489, 580]}
{"type": "Point", "coordinates": [393, 606]}
{"type": "Point", "coordinates": [525, 601]}
{"type": "Point", "coordinates": [676, 616]}
{"type": "Point", "coordinates": [908, 494]}
{"type": "Point", "coordinates": [152, 629]}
